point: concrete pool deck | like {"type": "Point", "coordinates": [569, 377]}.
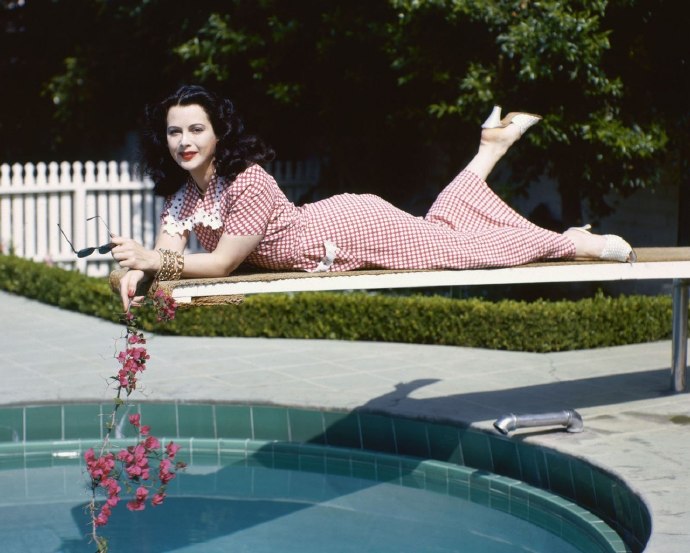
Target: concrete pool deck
{"type": "Point", "coordinates": [634, 426]}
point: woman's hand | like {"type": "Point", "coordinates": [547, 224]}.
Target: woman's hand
{"type": "Point", "coordinates": [139, 261]}
{"type": "Point", "coordinates": [132, 255]}
{"type": "Point", "coordinates": [128, 288]}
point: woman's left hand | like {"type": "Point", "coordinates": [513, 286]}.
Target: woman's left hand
{"type": "Point", "coordinates": [132, 255]}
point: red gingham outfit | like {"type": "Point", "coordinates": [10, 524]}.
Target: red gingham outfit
{"type": "Point", "coordinates": [467, 227]}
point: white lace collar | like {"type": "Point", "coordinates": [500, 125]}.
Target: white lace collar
{"type": "Point", "coordinates": [204, 211]}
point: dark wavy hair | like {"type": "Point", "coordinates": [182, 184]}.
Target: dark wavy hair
{"type": "Point", "coordinates": [235, 151]}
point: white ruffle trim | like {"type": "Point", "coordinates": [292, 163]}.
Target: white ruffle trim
{"type": "Point", "coordinates": [328, 259]}
{"type": "Point", "coordinates": [172, 224]}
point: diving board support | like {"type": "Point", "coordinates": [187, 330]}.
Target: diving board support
{"type": "Point", "coordinates": [679, 359]}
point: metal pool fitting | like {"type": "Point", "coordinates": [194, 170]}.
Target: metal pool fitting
{"type": "Point", "coordinates": [569, 418]}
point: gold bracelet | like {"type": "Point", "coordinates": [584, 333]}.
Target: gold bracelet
{"type": "Point", "coordinates": [171, 265]}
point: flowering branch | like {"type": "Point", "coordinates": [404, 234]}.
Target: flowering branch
{"type": "Point", "coordinates": [134, 461]}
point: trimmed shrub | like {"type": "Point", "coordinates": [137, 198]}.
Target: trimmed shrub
{"type": "Point", "coordinates": [537, 326]}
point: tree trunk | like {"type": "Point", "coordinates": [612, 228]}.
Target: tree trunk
{"type": "Point", "coordinates": [571, 202]}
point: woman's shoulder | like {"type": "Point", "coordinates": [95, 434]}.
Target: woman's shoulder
{"type": "Point", "coordinates": [255, 173]}
{"type": "Point", "coordinates": [253, 176]}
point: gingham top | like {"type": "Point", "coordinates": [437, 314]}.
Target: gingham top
{"type": "Point", "coordinates": [467, 227]}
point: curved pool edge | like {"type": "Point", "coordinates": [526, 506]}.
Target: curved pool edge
{"type": "Point", "coordinates": [576, 482]}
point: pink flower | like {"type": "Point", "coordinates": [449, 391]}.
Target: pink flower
{"type": "Point", "coordinates": [89, 455]}
{"type": "Point", "coordinates": [136, 505]}
{"type": "Point", "coordinates": [98, 468]}
{"type": "Point", "coordinates": [141, 494]}
{"type": "Point", "coordinates": [135, 420]}
{"type": "Point", "coordinates": [164, 305]}
{"type": "Point", "coordinates": [145, 430]}
{"type": "Point", "coordinates": [164, 474]}
{"type": "Point", "coordinates": [171, 450]}
{"type": "Point", "coordinates": [158, 499]}
{"type": "Point", "coordinates": [151, 442]}
{"type": "Point", "coordinates": [135, 339]}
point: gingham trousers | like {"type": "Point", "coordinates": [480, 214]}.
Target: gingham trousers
{"type": "Point", "coordinates": [467, 227]}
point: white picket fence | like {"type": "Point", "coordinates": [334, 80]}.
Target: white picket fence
{"type": "Point", "coordinates": [34, 198]}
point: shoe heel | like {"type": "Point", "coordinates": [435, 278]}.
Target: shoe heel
{"type": "Point", "coordinates": [494, 120]}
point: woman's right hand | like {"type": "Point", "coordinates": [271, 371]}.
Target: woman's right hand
{"type": "Point", "coordinates": [132, 255]}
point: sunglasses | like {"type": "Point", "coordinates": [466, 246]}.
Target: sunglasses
{"type": "Point", "coordinates": [85, 252]}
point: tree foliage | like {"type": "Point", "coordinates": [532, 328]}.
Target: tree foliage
{"type": "Point", "coordinates": [388, 93]}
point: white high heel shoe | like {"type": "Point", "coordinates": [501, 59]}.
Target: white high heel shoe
{"type": "Point", "coordinates": [615, 248]}
{"type": "Point", "coordinates": [523, 120]}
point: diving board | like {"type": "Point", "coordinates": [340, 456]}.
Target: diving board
{"type": "Point", "coordinates": [672, 264]}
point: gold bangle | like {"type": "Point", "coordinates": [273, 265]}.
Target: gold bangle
{"type": "Point", "coordinates": [171, 265]}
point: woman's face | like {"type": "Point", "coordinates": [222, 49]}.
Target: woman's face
{"type": "Point", "coordinates": [191, 140]}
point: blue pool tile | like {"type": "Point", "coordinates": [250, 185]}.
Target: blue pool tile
{"type": "Point", "coordinates": [505, 457]}
{"type": "Point", "coordinates": [585, 494]}
{"type": "Point", "coordinates": [388, 470]}
{"type": "Point", "coordinates": [364, 465]}
{"type": "Point", "coordinates": [480, 491]}
{"type": "Point", "coordinates": [459, 482]}
{"type": "Point", "coordinates": [533, 465]}
{"type": "Point", "coordinates": [306, 426]}
{"type": "Point", "coordinates": [285, 456]}
{"type": "Point", "coordinates": [545, 518]}
{"type": "Point", "coordinates": [411, 438]}
{"type": "Point", "coordinates": [342, 430]}
{"type": "Point", "coordinates": [338, 465]}
{"type": "Point", "coordinates": [11, 424]}
{"type": "Point", "coordinates": [603, 485]}
{"type": "Point", "coordinates": [444, 443]}
{"type": "Point", "coordinates": [83, 421]}
{"type": "Point", "coordinates": [161, 417]}
{"type": "Point", "coordinates": [44, 423]}
{"type": "Point", "coordinates": [560, 475]}
{"type": "Point", "coordinates": [476, 450]}
{"type": "Point", "coordinates": [519, 501]}
{"type": "Point", "coordinates": [312, 463]}
{"type": "Point", "coordinates": [196, 421]}
{"type": "Point", "coordinates": [270, 423]}
{"type": "Point", "coordinates": [412, 474]}
{"type": "Point", "coordinates": [377, 433]}
{"type": "Point", "coordinates": [499, 498]}
{"type": "Point", "coordinates": [233, 421]}
{"type": "Point", "coordinates": [436, 475]}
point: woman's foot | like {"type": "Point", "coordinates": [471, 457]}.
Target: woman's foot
{"type": "Point", "coordinates": [606, 247]}
{"type": "Point", "coordinates": [504, 132]}
{"type": "Point", "coordinates": [497, 141]}
{"type": "Point", "coordinates": [498, 135]}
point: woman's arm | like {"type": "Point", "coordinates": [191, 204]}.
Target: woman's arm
{"type": "Point", "coordinates": [229, 253]}
{"type": "Point", "coordinates": [143, 263]}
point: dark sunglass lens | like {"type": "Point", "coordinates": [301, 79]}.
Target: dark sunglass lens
{"type": "Point", "coordinates": [85, 252]}
{"type": "Point", "coordinates": [106, 248]}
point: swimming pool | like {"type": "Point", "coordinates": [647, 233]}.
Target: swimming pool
{"type": "Point", "coordinates": [309, 477]}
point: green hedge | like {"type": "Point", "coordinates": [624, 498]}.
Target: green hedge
{"type": "Point", "coordinates": [538, 326]}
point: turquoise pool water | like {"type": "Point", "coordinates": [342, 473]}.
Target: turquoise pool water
{"type": "Point", "coordinates": [251, 508]}
{"type": "Point", "coordinates": [265, 478]}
